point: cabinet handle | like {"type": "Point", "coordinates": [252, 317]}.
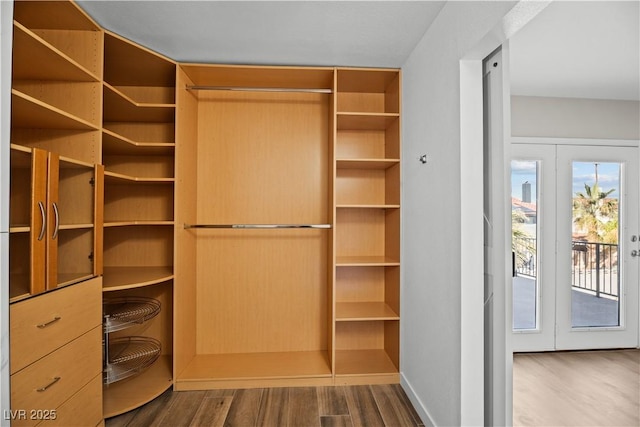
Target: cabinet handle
{"type": "Point", "coordinates": [57, 223]}
{"type": "Point", "coordinates": [43, 215]}
{"type": "Point", "coordinates": [49, 323]}
{"type": "Point", "coordinates": [41, 389]}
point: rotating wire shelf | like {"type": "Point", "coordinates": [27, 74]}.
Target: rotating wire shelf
{"type": "Point", "coordinates": [122, 313]}
{"type": "Point", "coordinates": [130, 356]}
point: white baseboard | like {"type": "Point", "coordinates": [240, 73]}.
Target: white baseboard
{"type": "Point", "coordinates": [416, 402]}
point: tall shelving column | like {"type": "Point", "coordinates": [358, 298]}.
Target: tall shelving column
{"type": "Point", "coordinates": [138, 140]}
{"type": "Point", "coordinates": [367, 235]}
{"type": "Point", "coordinates": [56, 110]}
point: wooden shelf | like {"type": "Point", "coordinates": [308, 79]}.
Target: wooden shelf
{"type": "Point", "coordinates": [116, 144]}
{"type": "Point", "coordinates": [36, 59]}
{"type": "Point", "coordinates": [129, 64]}
{"type": "Point", "coordinates": [366, 163]}
{"type": "Point", "coordinates": [358, 206]}
{"type": "Point", "coordinates": [118, 107]}
{"type": "Point", "coordinates": [366, 261]}
{"type": "Point", "coordinates": [29, 112]}
{"type": "Point", "coordinates": [53, 15]}
{"type": "Point", "coordinates": [123, 396]}
{"type": "Point", "coordinates": [118, 178]}
{"type": "Point", "coordinates": [222, 370]}
{"type": "Point", "coordinates": [363, 362]}
{"type": "Point", "coordinates": [362, 311]}
{"type": "Point", "coordinates": [134, 223]}
{"type": "Point", "coordinates": [75, 226]}
{"type": "Point", "coordinates": [121, 278]}
{"type": "Point", "coordinates": [365, 121]}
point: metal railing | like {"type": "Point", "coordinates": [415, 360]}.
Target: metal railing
{"type": "Point", "coordinates": [526, 261]}
{"type": "Point", "coordinates": [595, 268]}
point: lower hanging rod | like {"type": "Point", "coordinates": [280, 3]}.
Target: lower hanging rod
{"type": "Point", "coordinates": [261, 89]}
{"type": "Point", "coordinates": [258, 226]}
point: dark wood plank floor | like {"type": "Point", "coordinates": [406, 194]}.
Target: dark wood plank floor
{"type": "Point", "coordinates": [344, 406]}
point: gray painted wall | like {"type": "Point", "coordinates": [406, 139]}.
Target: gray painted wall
{"type": "Point", "coordinates": [431, 248]}
{"type": "Point", "coordinates": [533, 116]}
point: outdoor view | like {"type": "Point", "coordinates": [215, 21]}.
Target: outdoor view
{"type": "Point", "coordinates": [594, 277]}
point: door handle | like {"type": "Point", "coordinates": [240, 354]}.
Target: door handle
{"type": "Point", "coordinates": [57, 223]}
{"type": "Point", "coordinates": [43, 215]}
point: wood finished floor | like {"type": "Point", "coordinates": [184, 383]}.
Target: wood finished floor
{"type": "Point", "coordinates": [595, 388]}
{"type": "Point", "coordinates": [344, 406]}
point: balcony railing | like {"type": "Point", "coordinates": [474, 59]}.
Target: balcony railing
{"type": "Point", "coordinates": [525, 250]}
{"type": "Point", "coordinates": [595, 268]}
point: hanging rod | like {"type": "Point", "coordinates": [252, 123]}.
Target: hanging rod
{"type": "Point", "coordinates": [260, 89]}
{"type": "Point", "coordinates": [261, 226]}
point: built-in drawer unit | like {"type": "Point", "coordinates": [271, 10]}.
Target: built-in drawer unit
{"type": "Point", "coordinates": [42, 387]}
{"type": "Point", "coordinates": [44, 323]}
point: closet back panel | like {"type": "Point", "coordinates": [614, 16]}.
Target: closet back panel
{"type": "Point", "coordinates": [262, 158]}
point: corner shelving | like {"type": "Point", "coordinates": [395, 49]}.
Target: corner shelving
{"type": "Point", "coordinates": [138, 150]}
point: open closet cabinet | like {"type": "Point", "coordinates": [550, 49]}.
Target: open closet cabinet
{"type": "Point", "coordinates": [194, 226]}
{"type": "Point", "coordinates": [288, 226]}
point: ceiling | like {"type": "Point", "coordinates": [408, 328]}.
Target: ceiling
{"type": "Point", "coordinates": [323, 33]}
{"type": "Point", "coordinates": [571, 49]}
{"type": "Point", "coordinates": [585, 49]}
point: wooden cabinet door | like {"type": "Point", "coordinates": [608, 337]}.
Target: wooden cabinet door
{"type": "Point", "coordinates": [38, 222]}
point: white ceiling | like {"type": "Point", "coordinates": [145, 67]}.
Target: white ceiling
{"type": "Point", "coordinates": [578, 49]}
{"type": "Point", "coordinates": [325, 33]}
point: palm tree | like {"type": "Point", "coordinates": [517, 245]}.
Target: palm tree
{"type": "Point", "coordinates": [596, 214]}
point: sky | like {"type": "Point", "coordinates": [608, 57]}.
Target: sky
{"type": "Point", "coordinates": [583, 172]}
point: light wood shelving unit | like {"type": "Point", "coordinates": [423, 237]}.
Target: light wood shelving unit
{"type": "Point", "coordinates": [138, 154]}
{"type": "Point", "coordinates": [55, 121]}
{"type": "Point", "coordinates": [253, 291]}
{"type": "Point", "coordinates": [132, 147]}
{"type": "Point", "coordinates": [367, 187]}
{"type": "Point", "coordinates": [56, 211]}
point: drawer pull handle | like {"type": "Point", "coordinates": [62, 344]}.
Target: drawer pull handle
{"type": "Point", "coordinates": [49, 323]}
{"type": "Point", "coordinates": [55, 380]}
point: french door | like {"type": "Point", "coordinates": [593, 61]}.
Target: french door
{"type": "Point", "coordinates": [574, 246]}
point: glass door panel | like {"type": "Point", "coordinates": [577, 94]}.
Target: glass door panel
{"type": "Point", "coordinates": [533, 185]}
{"type": "Point", "coordinates": [524, 243]}
{"type": "Point", "coordinates": [595, 278]}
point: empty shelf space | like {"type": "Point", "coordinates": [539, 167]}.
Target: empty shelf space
{"type": "Point", "coordinates": [276, 365]}
{"type": "Point", "coordinates": [116, 144]}
{"type": "Point", "coordinates": [366, 121]}
{"type": "Point", "coordinates": [366, 163]}
{"type": "Point", "coordinates": [364, 362]}
{"type": "Point", "coordinates": [29, 112]}
{"type": "Point", "coordinates": [36, 59]}
{"type": "Point", "coordinates": [120, 278]}
{"type": "Point", "coordinates": [361, 311]}
{"type": "Point", "coordinates": [121, 397]}
{"type": "Point", "coordinates": [118, 107]}
{"type": "Point", "coordinates": [136, 222]}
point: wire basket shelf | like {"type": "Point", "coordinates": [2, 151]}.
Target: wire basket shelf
{"type": "Point", "coordinates": [129, 356]}
{"type": "Point", "coordinates": [122, 313]}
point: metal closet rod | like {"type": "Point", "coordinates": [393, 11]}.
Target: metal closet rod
{"type": "Point", "coordinates": [260, 89]}
{"type": "Point", "coordinates": [260, 226]}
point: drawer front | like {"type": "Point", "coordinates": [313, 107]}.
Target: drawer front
{"type": "Point", "coordinates": [44, 323]}
{"type": "Point", "coordinates": [47, 383]}
{"type": "Point", "coordinates": [83, 409]}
